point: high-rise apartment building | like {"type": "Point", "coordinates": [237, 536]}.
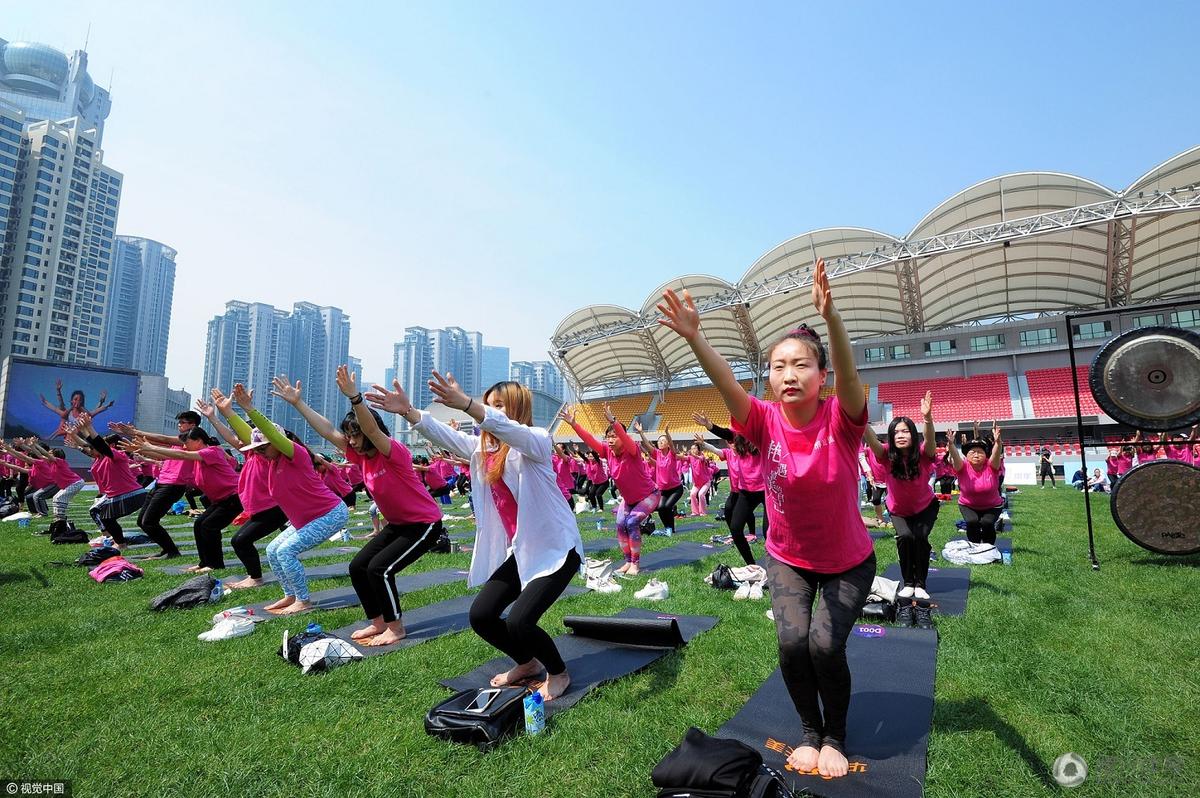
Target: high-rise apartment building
{"type": "Point", "coordinates": [253, 342]}
{"type": "Point", "coordinates": [60, 206]}
{"type": "Point", "coordinates": [138, 315]}
{"type": "Point", "coordinates": [540, 375]}
{"type": "Point", "coordinates": [452, 350]}
{"type": "Point", "coordinates": [50, 86]}
{"type": "Point", "coordinates": [495, 366]}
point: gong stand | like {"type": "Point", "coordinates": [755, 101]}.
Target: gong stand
{"type": "Point", "coordinates": [1070, 319]}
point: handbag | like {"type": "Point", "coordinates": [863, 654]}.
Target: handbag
{"type": "Point", "coordinates": [722, 578]}
{"type": "Point", "coordinates": [481, 717]}
{"type": "Point", "coordinates": [879, 611]}
{"type": "Point", "coordinates": [712, 767]}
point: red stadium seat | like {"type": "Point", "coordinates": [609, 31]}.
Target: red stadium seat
{"type": "Point", "coordinates": [1053, 394]}
{"type": "Point", "coordinates": [981, 398]}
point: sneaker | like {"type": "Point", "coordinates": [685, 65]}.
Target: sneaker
{"type": "Point", "coordinates": [904, 614]}
{"type": "Point", "coordinates": [238, 612]}
{"type": "Point", "coordinates": [924, 616]}
{"type": "Point", "coordinates": [905, 592]}
{"type": "Point", "coordinates": [770, 614]}
{"type": "Point", "coordinates": [653, 591]}
{"type": "Point", "coordinates": [756, 591]}
{"type": "Point", "coordinates": [603, 585]}
{"type": "Point", "coordinates": [227, 630]}
{"type": "Point", "coordinates": [920, 594]}
{"type": "Point", "coordinates": [668, 532]}
{"type": "Point", "coordinates": [743, 592]}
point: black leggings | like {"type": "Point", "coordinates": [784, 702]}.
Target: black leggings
{"type": "Point", "coordinates": [595, 494]}
{"type": "Point", "coordinates": [1047, 472]}
{"type": "Point", "coordinates": [945, 485]}
{"type": "Point", "coordinates": [208, 528]}
{"type": "Point", "coordinates": [260, 525]}
{"type": "Point", "coordinates": [981, 524]}
{"type": "Point", "coordinates": [912, 543]}
{"type": "Point", "coordinates": [518, 635]}
{"type": "Point", "coordinates": [159, 503]}
{"type": "Point", "coordinates": [373, 570]}
{"type": "Point", "coordinates": [743, 514]}
{"type": "Point", "coordinates": [37, 500]}
{"type": "Point", "coordinates": [727, 511]}
{"type": "Point", "coordinates": [812, 643]}
{"type": "Point", "coordinates": [666, 505]}
{"type": "Point", "coordinates": [444, 490]}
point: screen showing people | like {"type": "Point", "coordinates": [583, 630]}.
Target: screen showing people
{"type": "Point", "coordinates": [43, 399]}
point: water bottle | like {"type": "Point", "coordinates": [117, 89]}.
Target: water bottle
{"type": "Point", "coordinates": [1006, 556]}
{"type": "Point", "coordinates": [106, 541]}
{"type": "Point", "coordinates": [599, 526]}
{"type": "Point", "coordinates": [313, 628]}
{"type": "Point", "coordinates": [535, 713]}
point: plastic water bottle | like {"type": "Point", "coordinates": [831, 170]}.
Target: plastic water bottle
{"type": "Point", "coordinates": [1006, 556]}
{"type": "Point", "coordinates": [599, 526]}
{"type": "Point", "coordinates": [535, 713]}
{"type": "Point", "coordinates": [313, 628]}
{"type": "Point", "coordinates": [106, 541]}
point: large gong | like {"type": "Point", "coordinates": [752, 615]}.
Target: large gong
{"type": "Point", "coordinates": [1149, 378]}
{"type": "Point", "coordinates": [1157, 506]}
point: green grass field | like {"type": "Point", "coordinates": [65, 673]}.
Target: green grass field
{"type": "Point", "coordinates": [1051, 657]}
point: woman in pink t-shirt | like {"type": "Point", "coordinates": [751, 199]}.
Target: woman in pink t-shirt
{"type": "Point", "coordinates": [596, 480]}
{"type": "Point", "coordinates": [561, 463]}
{"type": "Point", "coordinates": [56, 478]}
{"type": "Point", "coordinates": [216, 479]}
{"type": "Point", "coordinates": [818, 548]}
{"type": "Point", "coordinates": [120, 493]}
{"type": "Point", "coordinates": [906, 468]}
{"type": "Point", "coordinates": [978, 475]}
{"type": "Point", "coordinates": [639, 497]}
{"type": "Point", "coordinates": [666, 465]}
{"type": "Point", "coordinates": [698, 466]}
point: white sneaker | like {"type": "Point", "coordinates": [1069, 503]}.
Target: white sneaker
{"type": "Point", "coordinates": [653, 591]}
{"type": "Point", "coordinates": [1004, 516]}
{"type": "Point", "coordinates": [227, 630]}
{"type": "Point", "coordinates": [238, 612]}
{"type": "Point", "coordinates": [770, 614]}
{"type": "Point", "coordinates": [921, 594]}
{"type": "Point", "coordinates": [905, 592]}
{"type": "Point", "coordinates": [604, 585]}
{"type": "Point", "coordinates": [668, 531]}
{"type": "Point", "coordinates": [743, 592]}
{"type": "Point", "coordinates": [612, 501]}
{"type": "Point", "coordinates": [756, 591]}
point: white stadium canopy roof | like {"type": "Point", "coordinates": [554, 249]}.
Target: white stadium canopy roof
{"type": "Point", "coordinates": [1019, 244]}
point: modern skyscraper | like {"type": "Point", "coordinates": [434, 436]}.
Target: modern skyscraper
{"type": "Point", "coordinates": [495, 366]}
{"type": "Point", "coordinates": [253, 342]}
{"type": "Point", "coordinates": [138, 315]}
{"type": "Point", "coordinates": [540, 375]}
{"type": "Point", "coordinates": [48, 85]}
{"type": "Point", "coordinates": [60, 203]}
{"type": "Point", "coordinates": [452, 350]}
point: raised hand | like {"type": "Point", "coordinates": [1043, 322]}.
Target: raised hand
{"type": "Point", "coordinates": [453, 424]}
{"type": "Point", "coordinates": [58, 385]}
{"type": "Point", "coordinates": [347, 381]}
{"type": "Point", "coordinates": [996, 430]}
{"type": "Point", "coordinates": [121, 427]}
{"type": "Point", "coordinates": [223, 402]}
{"type": "Point", "coordinates": [637, 426]}
{"type": "Point", "coordinates": [608, 414]}
{"type": "Point", "coordinates": [103, 396]}
{"type": "Point", "coordinates": [284, 390]}
{"type": "Point", "coordinates": [205, 409]}
{"type": "Point", "coordinates": [395, 401]}
{"type": "Point", "coordinates": [822, 297]}
{"type": "Point", "coordinates": [568, 415]}
{"type": "Point", "coordinates": [680, 314]}
{"type": "Point", "coordinates": [927, 406]}
{"type": "Point", "coordinates": [702, 420]}
{"type": "Point", "coordinates": [243, 397]}
{"type": "Point", "coordinates": [447, 391]}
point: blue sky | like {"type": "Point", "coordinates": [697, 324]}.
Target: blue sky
{"type": "Point", "coordinates": [496, 166]}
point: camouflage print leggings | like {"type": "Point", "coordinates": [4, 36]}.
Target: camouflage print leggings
{"type": "Point", "coordinates": [812, 643]}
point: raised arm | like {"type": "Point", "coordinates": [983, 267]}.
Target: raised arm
{"type": "Point", "coordinates": [264, 424]}
{"type": "Point", "coordinates": [210, 412]}
{"type": "Point", "coordinates": [17, 453]}
{"type": "Point", "coordinates": [627, 443]}
{"type": "Point", "coordinates": [292, 395]}
{"type": "Point", "coordinates": [682, 316]}
{"type": "Point", "coordinates": [240, 428]}
{"type": "Point", "coordinates": [397, 401]}
{"type": "Point", "coordinates": [144, 447]}
{"type": "Point", "coordinates": [956, 460]}
{"type": "Point", "coordinates": [587, 437]}
{"type": "Point", "coordinates": [646, 447]}
{"type": "Point", "coordinates": [347, 383]}
{"type": "Point", "coordinates": [130, 431]}
{"type": "Point", "coordinates": [705, 445]}
{"type": "Point", "coordinates": [929, 443]}
{"type": "Point", "coordinates": [997, 447]}
{"type": "Point", "coordinates": [532, 442]}
{"type": "Point", "coordinates": [846, 383]}
{"type": "Point", "coordinates": [872, 441]}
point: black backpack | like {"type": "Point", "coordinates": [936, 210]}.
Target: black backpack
{"type": "Point", "coordinates": [66, 532]}
{"type": "Point", "coordinates": [94, 557]}
{"type": "Point", "coordinates": [722, 578]}
{"type": "Point", "coordinates": [481, 717]}
{"type": "Point", "coordinates": [442, 544]}
{"type": "Point", "coordinates": [198, 590]}
{"type": "Point", "coordinates": [647, 527]}
{"type": "Point", "coordinates": [711, 767]}
{"type": "Point", "coordinates": [290, 650]}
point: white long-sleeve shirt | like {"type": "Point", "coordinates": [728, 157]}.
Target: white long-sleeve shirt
{"type": "Point", "coordinates": [546, 528]}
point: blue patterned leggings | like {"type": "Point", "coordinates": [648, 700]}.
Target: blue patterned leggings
{"type": "Point", "coordinates": [629, 525]}
{"type": "Point", "coordinates": [283, 550]}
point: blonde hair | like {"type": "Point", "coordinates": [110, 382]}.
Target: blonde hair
{"type": "Point", "coordinates": [518, 406]}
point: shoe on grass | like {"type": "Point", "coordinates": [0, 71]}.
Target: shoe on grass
{"type": "Point", "coordinates": [603, 585]}
{"type": "Point", "coordinates": [227, 630]}
{"type": "Point", "coordinates": [756, 591]}
{"type": "Point", "coordinates": [904, 614]}
{"type": "Point", "coordinates": [743, 592]}
{"type": "Point", "coordinates": [653, 591]}
{"type": "Point", "coordinates": [924, 616]}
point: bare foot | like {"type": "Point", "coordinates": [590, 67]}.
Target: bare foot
{"type": "Point", "coordinates": [555, 685]}
{"type": "Point", "coordinates": [517, 674]}
{"type": "Point", "coordinates": [387, 638]}
{"type": "Point", "coordinates": [296, 607]}
{"type": "Point", "coordinates": [624, 568]}
{"type": "Point", "coordinates": [804, 759]}
{"type": "Point", "coordinates": [632, 570]}
{"type": "Point", "coordinates": [203, 569]}
{"type": "Point", "coordinates": [286, 601]}
{"type": "Point", "coordinates": [365, 632]}
{"type": "Point", "coordinates": [832, 762]}
{"type": "Point", "coordinates": [244, 583]}
{"type": "Point", "coordinates": [191, 569]}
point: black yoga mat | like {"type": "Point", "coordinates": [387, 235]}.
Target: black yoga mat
{"type": "Point", "coordinates": [346, 597]}
{"type": "Point", "coordinates": [947, 587]}
{"type": "Point", "coordinates": [422, 624]}
{"type": "Point", "coordinates": [232, 562]}
{"type": "Point", "coordinates": [891, 708]}
{"type": "Point", "coordinates": [683, 553]}
{"type": "Point", "coordinates": [593, 662]}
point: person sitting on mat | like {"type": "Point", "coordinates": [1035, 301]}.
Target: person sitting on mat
{"type": "Point", "coordinates": [314, 513]}
{"type": "Point", "coordinates": [819, 548]}
{"type": "Point", "coordinates": [906, 468]}
{"type": "Point", "coordinates": [412, 518]}
{"type": "Point", "coordinates": [978, 475]}
{"type": "Point", "coordinates": [527, 544]}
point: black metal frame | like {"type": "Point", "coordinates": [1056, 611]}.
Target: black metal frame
{"type": "Point", "coordinates": [1070, 317]}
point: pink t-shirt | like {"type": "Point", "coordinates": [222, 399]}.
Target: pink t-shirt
{"type": "Point", "coordinates": [666, 469]}
{"type": "Point", "coordinates": [506, 506]}
{"type": "Point", "coordinates": [750, 472]}
{"type": "Point", "coordinates": [253, 484]}
{"type": "Point", "coordinates": [444, 468]}
{"type": "Point", "coordinates": [701, 473]}
{"type": "Point", "coordinates": [733, 464]}
{"type": "Point", "coordinates": [941, 468]}
{"type": "Point", "coordinates": [41, 474]}
{"type": "Point", "coordinates": [562, 474]}
{"type": "Point", "coordinates": [177, 472]}
{"type": "Point", "coordinates": [297, 488]}
{"type": "Point", "coordinates": [354, 474]}
{"type": "Point", "coordinates": [907, 497]}
{"type": "Point", "coordinates": [978, 490]}
{"type": "Point", "coordinates": [112, 474]}
{"type": "Point", "coordinates": [62, 475]}
{"type": "Point", "coordinates": [214, 475]}
{"type": "Point", "coordinates": [628, 470]}
{"type": "Point", "coordinates": [395, 486]}
{"type": "Point", "coordinates": [811, 480]}
{"type": "Point", "coordinates": [332, 476]}
{"type": "Point", "coordinates": [1182, 453]}
{"type": "Point", "coordinates": [433, 479]}
{"type": "Point", "coordinates": [595, 472]}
